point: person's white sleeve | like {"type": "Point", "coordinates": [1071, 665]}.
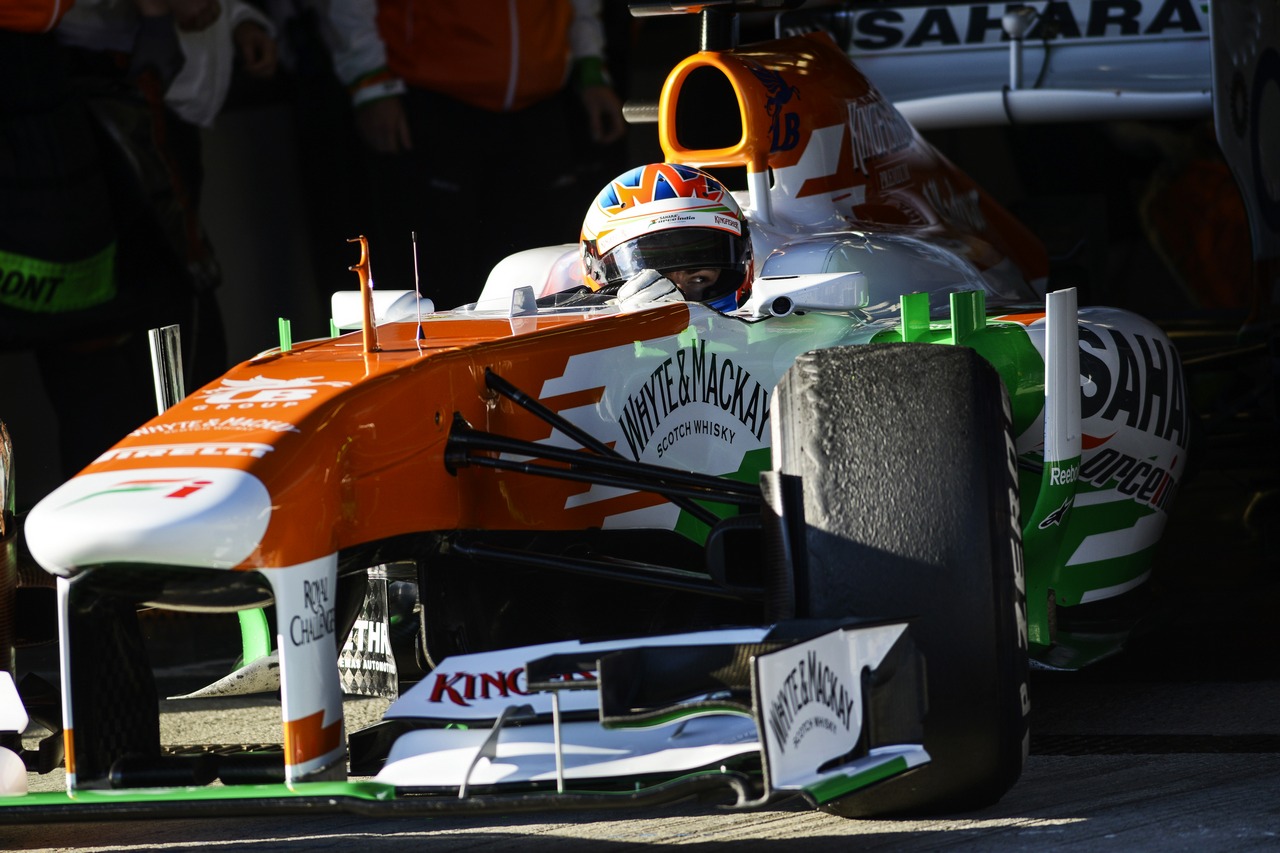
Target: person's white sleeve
{"type": "Point", "coordinates": [199, 91]}
{"type": "Point", "coordinates": [350, 31]}
{"type": "Point", "coordinates": [646, 289]}
{"type": "Point", "coordinates": [586, 33]}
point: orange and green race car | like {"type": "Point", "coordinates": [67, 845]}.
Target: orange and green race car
{"type": "Point", "coordinates": [811, 544]}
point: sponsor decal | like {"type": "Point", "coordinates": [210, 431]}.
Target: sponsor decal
{"type": "Point", "coordinates": [784, 125]}
{"type": "Point", "coordinates": [369, 641]}
{"type": "Point", "coordinates": [263, 392]}
{"type": "Point", "coordinates": [189, 488]}
{"type": "Point", "coordinates": [1064, 476]}
{"type": "Point", "coordinates": [713, 218]}
{"type": "Point", "coordinates": [1015, 543]}
{"type": "Point", "coordinates": [1134, 380]}
{"type": "Point", "coordinates": [878, 129]}
{"type": "Point", "coordinates": [700, 426]}
{"type": "Point", "coordinates": [237, 424]}
{"type": "Point", "coordinates": [463, 688]}
{"type": "Point", "coordinates": [368, 636]}
{"type": "Point", "coordinates": [181, 487]}
{"type": "Point", "coordinates": [157, 451]}
{"type": "Point", "coordinates": [811, 681]}
{"type": "Point", "coordinates": [934, 27]}
{"type": "Point", "coordinates": [1140, 479]}
{"type": "Point", "coordinates": [957, 208]}
{"type": "Point", "coordinates": [1055, 518]}
{"type": "Point", "coordinates": [318, 622]}
{"type": "Point", "coordinates": [692, 376]}
{"type": "Point", "coordinates": [669, 218]}
{"type": "Point", "coordinates": [892, 176]}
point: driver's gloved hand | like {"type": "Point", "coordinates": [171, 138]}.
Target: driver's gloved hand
{"type": "Point", "coordinates": [646, 289]}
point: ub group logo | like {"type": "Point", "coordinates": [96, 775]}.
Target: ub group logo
{"type": "Point", "coordinates": [264, 392]}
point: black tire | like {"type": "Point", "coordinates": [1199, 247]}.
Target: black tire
{"type": "Point", "coordinates": [911, 510]}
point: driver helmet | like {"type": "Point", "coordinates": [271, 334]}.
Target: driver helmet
{"type": "Point", "coordinates": [667, 217]}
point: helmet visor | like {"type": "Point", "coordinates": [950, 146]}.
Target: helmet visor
{"type": "Point", "coordinates": [677, 249]}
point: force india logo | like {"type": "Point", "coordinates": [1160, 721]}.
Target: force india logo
{"type": "Point", "coordinates": [1143, 480]}
{"type": "Point", "coordinates": [166, 487]}
{"type": "Point", "coordinates": [692, 376]}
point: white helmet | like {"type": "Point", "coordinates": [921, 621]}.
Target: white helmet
{"type": "Point", "coordinates": [667, 217]}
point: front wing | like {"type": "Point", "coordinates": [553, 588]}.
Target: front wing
{"type": "Point", "coordinates": [747, 715]}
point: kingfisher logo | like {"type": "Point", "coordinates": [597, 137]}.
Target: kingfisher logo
{"type": "Point", "coordinates": [464, 688]}
{"type": "Point", "coordinates": [878, 129]}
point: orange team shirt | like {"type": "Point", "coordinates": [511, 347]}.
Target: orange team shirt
{"type": "Point", "coordinates": [32, 16]}
{"type": "Point", "coordinates": [496, 54]}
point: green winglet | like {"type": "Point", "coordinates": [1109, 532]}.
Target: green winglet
{"type": "Point", "coordinates": [255, 635]}
{"type": "Point", "coordinates": [286, 335]}
{"type": "Point", "coordinates": [968, 314]}
{"type": "Point", "coordinates": [842, 785]}
{"type": "Point", "coordinates": [915, 316]}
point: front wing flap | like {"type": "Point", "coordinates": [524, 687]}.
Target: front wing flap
{"type": "Point", "coordinates": [747, 715]}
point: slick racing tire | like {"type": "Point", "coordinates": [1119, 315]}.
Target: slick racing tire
{"type": "Point", "coordinates": [911, 510]}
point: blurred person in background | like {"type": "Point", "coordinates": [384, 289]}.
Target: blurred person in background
{"type": "Point", "coordinates": [99, 173]}
{"type": "Point", "coordinates": [471, 111]}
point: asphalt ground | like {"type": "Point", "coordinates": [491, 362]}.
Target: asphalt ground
{"type": "Point", "coordinates": [1125, 766]}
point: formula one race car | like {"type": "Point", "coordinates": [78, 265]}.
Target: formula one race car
{"type": "Point", "coordinates": [808, 545]}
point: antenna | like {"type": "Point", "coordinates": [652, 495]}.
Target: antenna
{"type": "Point", "coordinates": [366, 295]}
{"type": "Point", "coordinates": [417, 292]}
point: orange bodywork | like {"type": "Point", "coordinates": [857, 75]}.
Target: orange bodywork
{"type": "Point", "coordinates": [358, 438]}
{"type": "Point", "coordinates": [880, 173]}
{"type": "Point", "coordinates": [309, 738]}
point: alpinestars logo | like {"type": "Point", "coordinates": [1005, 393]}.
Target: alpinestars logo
{"type": "Point", "coordinates": [1054, 518]}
